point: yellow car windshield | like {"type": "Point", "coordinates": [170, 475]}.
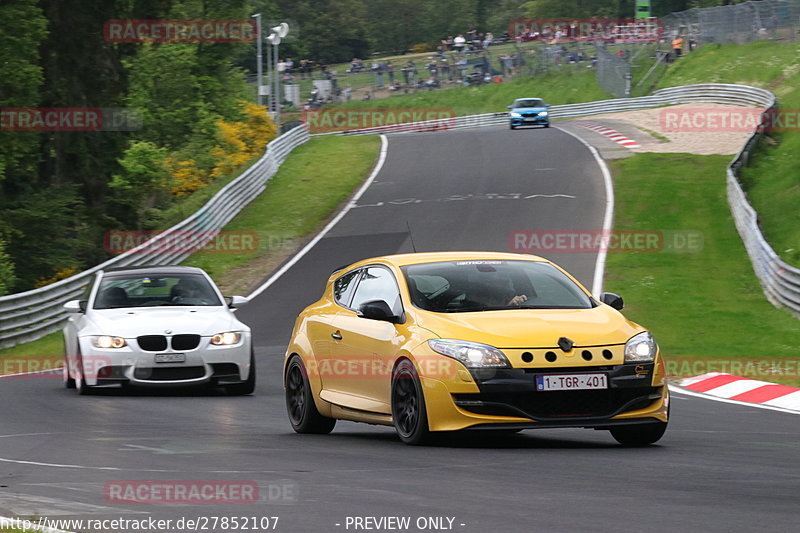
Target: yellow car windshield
{"type": "Point", "coordinates": [489, 285]}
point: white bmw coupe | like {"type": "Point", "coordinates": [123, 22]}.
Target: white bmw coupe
{"type": "Point", "coordinates": [157, 326]}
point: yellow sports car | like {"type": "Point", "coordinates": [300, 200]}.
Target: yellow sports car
{"type": "Point", "coordinates": [434, 342]}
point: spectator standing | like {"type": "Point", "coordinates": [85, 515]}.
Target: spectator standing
{"type": "Point", "coordinates": [377, 69]}
{"type": "Point", "coordinates": [488, 39]}
{"type": "Point", "coordinates": [459, 42]}
{"type": "Point", "coordinates": [462, 68]}
{"type": "Point", "coordinates": [444, 68]}
{"type": "Point", "coordinates": [677, 46]}
{"type": "Point", "coordinates": [389, 68]}
{"type": "Point", "coordinates": [410, 73]}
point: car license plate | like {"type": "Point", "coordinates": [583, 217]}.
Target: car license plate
{"type": "Point", "coordinates": [170, 358]}
{"type": "Point", "coordinates": [530, 119]}
{"type": "Point", "coordinates": [550, 382]}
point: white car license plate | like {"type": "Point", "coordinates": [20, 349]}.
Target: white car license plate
{"type": "Point", "coordinates": [549, 382]}
{"type": "Point", "coordinates": [170, 358]}
{"type": "Point", "coordinates": [530, 119]}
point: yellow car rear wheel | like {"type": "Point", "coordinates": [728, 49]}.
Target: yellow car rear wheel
{"type": "Point", "coordinates": [303, 413]}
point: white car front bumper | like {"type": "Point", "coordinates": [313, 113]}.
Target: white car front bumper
{"type": "Point", "coordinates": [135, 365]}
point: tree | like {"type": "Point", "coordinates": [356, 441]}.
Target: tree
{"type": "Point", "coordinates": [22, 29]}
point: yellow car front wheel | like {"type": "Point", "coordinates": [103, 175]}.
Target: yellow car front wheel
{"type": "Point", "coordinates": [639, 434]}
{"type": "Point", "coordinates": [408, 405]}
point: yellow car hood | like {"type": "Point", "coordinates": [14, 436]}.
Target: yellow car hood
{"type": "Point", "coordinates": [533, 328]}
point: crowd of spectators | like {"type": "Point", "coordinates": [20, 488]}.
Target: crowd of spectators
{"type": "Point", "coordinates": [462, 59]}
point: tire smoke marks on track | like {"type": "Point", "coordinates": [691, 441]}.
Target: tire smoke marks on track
{"type": "Point", "coordinates": [465, 197]}
{"type": "Point", "coordinates": [744, 390]}
{"type": "Point", "coordinates": [614, 135]}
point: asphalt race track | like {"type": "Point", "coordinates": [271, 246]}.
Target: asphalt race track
{"type": "Point", "coordinates": [720, 467]}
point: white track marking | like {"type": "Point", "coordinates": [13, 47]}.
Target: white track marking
{"type": "Point", "coordinates": [57, 369]}
{"type": "Point", "coordinates": [289, 264]}
{"type": "Point", "coordinates": [80, 467]}
{"type": "Point", "coordinates": [608, 217]}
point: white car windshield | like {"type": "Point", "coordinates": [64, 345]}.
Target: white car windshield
{"type": "Point", "coordinates": [534, 102]}
{"type": "Point", "coordinates": [121, 291]}
{"type": "Point", "coordinates": [483, 285]}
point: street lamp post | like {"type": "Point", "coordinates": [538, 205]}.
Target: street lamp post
{"type": "Point", "coordinates": [259, 75]}
{"type": "Point", "coordinates": [279, 32]}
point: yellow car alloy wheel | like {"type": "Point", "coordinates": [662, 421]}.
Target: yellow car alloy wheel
{"type": "Point", "coordinates": [408, 405]}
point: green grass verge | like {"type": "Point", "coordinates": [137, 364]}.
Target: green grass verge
{"type": "Point", "coordinates": [772, 181]}
{"type": "Point", "coordinates": [698, 305]}
{"type": "Point", "coordinates": [30, 356]}
{"type": "Point", "coordinates": [310, 184]}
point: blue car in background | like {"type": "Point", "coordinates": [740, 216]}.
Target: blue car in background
{"type": "Point", "coordinates": [529, 112]}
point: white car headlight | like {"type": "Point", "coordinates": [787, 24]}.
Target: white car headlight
{"type": "Point", "coordinates": [543, 114]}
{"type": "Point", "coordinates": [472, 354]}
{"type": "Point", "coordinates": [107, 341]}
{"type": "Point", "coordinates": [641, 348]}
{"type": "Point", "coordinates": [515, 114]}
{"type": "Point", "coordinates": [226, 339]}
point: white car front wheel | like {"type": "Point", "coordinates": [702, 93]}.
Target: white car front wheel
{"type": "Point", "coordinates": [80, 381]}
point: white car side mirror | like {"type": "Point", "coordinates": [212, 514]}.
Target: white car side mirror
{"type": "Point", "coordinates": [74, 306]}
{"type": "Point", "coordinates": [238, 301]}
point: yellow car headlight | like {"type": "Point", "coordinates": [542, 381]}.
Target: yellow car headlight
{"type": "Point", "coordinates": [227, 338]}
{"type": "Point", "coordinates": [641, 348]}
{"type": "Point", "coordinates": [472, 354]}
{"type": "Point", "coordinates": [107, 341]}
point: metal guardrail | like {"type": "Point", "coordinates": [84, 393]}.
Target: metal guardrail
{"type": "Point", "coordinates": [781, 281]}
{"type": "Point", "coordinates": [30, 315]}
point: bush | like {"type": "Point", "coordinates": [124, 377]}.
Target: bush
{"type": "Point", "coordinates": [6, 270]}
{"type": "Point", "coordinates": [243, 140]}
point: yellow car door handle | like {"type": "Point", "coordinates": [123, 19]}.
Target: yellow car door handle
{"type": "Point", "coordinates": [337, 336]}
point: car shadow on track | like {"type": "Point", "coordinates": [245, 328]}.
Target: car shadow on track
{"type": "Point", "coordinates": [488, 439]}
{"type": "Point", "coordinates": [184, 391]}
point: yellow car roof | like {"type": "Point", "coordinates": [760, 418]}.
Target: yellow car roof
{"type": "Point", "coordinates": [432, 257]}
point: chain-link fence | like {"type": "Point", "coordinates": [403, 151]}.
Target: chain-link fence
{"type": "Point", "coordinates": [613, 71]}
{"type": "Point", "coordinates": [739, 23]}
